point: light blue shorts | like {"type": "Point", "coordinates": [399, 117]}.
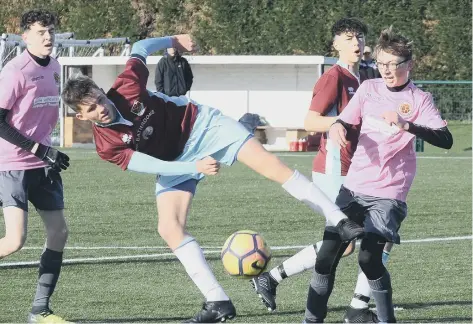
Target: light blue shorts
{"type": "Point", "coordinates": [213, 134]}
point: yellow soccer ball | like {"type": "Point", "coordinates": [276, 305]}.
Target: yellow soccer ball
{"type": "Point", "coordinates": [245, 254]}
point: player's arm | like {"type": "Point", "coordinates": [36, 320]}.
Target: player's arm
{"type": "Point", "coordinates": [11, 87]}
{"type": "Point", "coordinates": [351, 115]}
{"type": "Point", "coordinates": [144, 163]}
{"type": "Point", "coordinates": [428, 126]}
{"type": "Point", "coordinates": [112, 149]}
{"type": "Point", "coordinates": [440, 137]}
{"type": "Point", "coordinates": [324, 98]}
{"type": "Point", "coordinates": [143, 48]}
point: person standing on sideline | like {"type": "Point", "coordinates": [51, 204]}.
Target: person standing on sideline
{"type": "Point", "coordinates": [173, 74]}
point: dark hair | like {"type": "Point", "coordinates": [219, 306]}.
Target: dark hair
{"type": "Point", "coordinates": [78, 90]}
{"type": "Point", "coordinates": [394, 43]}
{"type": "Point", "coordinates": [353, 25]}
{"type": "Point", "coordinates": [43, 17]}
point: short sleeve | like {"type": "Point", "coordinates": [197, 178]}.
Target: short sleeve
{"type": "Point", "coordinates": [131, 83]}
{"type": "Point", "coordinates": [429, 115]}
{"type": "Point", "coordinates": [325, 94]}
{"type": "Point", "coordinates": [110, 147]}
{"type": "Point", "coordinates": [11, 86]}
{"type": "Point", "coordinates": [351, 114]}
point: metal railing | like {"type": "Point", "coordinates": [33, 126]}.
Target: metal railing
{"type": "Point", "coordinates": [452, 98]}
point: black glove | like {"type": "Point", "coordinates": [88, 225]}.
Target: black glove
{"type": "Point", "coordinates": [56, 160]}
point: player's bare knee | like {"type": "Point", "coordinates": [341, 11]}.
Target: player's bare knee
{"type": "Point", "coordinates": [14, 243]}
{"type": "Point", "coordinates": [168, 229]}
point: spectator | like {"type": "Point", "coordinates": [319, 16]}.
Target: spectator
{"type": "Point", "coordinates": [368, 69]}
{"type": "Point", "coordinates": [173, 74]}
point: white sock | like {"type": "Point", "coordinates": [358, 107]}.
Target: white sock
{"type": "Point", "coordinates": [306, 191]}
{"type": "Point", "coordinates": [299, 262]}
{"type": "Point", "coordinates": [363, 287]}
{"type": "Point", "coordinates": [191, 256]}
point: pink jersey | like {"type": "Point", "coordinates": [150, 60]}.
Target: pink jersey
{"type": "Point", "coordinates": [31, 93]}
{"type": "Point", "coordinates": [384, 163]}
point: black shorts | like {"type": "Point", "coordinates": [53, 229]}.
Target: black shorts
{"type": "Point", "coordinates": [381, 216]}
{"type": "Point", "coordinates": [42, 187]}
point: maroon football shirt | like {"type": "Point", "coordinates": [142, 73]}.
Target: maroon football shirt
{"type": "Point", "coordinates": [331, 94]}
{"type": "Point", "coordinates": [159, 126]}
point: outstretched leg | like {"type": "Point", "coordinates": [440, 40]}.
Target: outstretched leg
{"type": "Point", "coordinates": [253, 154]}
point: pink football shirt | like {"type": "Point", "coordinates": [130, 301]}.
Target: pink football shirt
{"type": "Point", "coordinates": [31, 93]}
{"type": "Point", "coordinates": [384, 163]}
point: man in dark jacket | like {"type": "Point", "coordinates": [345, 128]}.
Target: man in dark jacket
{"type": "Point", "coordinates": [173, 74]}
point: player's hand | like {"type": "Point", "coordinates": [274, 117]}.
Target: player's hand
{"type": "Point", "coordinates": [393, 118]}
{"type": "Point", "coordinates": [338, 135]}
{"type": "Point", "coordinates": [208, 166]}
{"type": "Point", "coordinates": [184, 43]}
{"type": "Point", "coordinates": [57, 160]}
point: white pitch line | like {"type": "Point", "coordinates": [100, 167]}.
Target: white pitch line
{"type": "Point", "coordinates": [283, 247]}
{"type": "Point", "coordinates": [208, 250]}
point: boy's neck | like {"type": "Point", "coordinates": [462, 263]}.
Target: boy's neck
{"type": "Point", "coordinates": [353, 68]}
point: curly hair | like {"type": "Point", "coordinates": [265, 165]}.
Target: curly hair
{"type": "Point", "coordinates": [43, 17]}
{"type": "Point", "coordinates": [352, 25]}
{"type": "Point", "coordinates": [394, 43]}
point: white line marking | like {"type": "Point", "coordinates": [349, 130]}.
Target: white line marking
{"type": "Point", "coordinates": [284, 247]}
{"type": "Point", "coordinates": [208, 250]}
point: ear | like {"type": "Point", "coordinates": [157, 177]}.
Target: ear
{"type": "Point", "coordinates": [80, 116]}
{"type": "Point", "coordinates": [24, 36]}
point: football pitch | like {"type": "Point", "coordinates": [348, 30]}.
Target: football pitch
{"type": "Point", "coordinates": [118, 269]}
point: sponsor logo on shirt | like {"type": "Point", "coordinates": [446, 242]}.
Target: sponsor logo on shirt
{"type": "Point", "coordinates": [147, 132]}
{"type": "Point", "coordinates": [351, 91]}
{"type": "Point", "coordinates": [34, 79]}
{"type": "Point", "coordinates": [374, 97]}
{"type": "Point", "coordinates": [126, 138]}
{"type": "Point", "coordinates": [405, 110]}
{"type": "Point", "coordinates": [138, 108]}
{"type": "Point", "coordinates": [40, 102]}
{"type": "Point", "coordinates": [140, 131]}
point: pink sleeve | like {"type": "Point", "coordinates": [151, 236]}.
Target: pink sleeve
{"type": "Point", "coordinates": [11, 86]}
{"type": "Point", "coordinates": [352, 112]}
{"type": "Point", "coordinates": [429, 115]}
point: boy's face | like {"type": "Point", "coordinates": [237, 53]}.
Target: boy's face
{"type": "Point", "coordinates": [393, 69]}
{"type": "Point", "coordinates": [98, 109]}
{"type": "Point", "coordinates": [350, 46]}
{"type": "Point", "coordinates": [39, 39]}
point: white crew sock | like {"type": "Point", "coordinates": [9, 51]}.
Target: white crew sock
{"type": "Point", "coordinates": [306, 191]}
{"type": "Point", "coordinates": [191, 256]}
{"type": "Point", "coordinates": [299, 262]}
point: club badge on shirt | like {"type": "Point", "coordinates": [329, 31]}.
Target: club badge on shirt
{"type": "Point", "coordinates": [57, 78]}
{"type": "Point", "coordinates": [126, 138]}
{"type": "Point", "coordinates": [138, 108]}
{"type": "Point", "coordinates": [405, 110]}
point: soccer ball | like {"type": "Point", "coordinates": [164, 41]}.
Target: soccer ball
{"type": "Point", "coordinates": [245, 254]}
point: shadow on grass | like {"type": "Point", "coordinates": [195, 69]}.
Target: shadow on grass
{"type": "Point", "coordinates": [406, 306]}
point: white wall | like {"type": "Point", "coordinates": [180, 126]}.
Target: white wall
{"type": "Point", "coordinates": [275, 87]}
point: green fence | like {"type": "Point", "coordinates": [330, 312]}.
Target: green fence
{"type": "Point", "coordinates": [453, 98]}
